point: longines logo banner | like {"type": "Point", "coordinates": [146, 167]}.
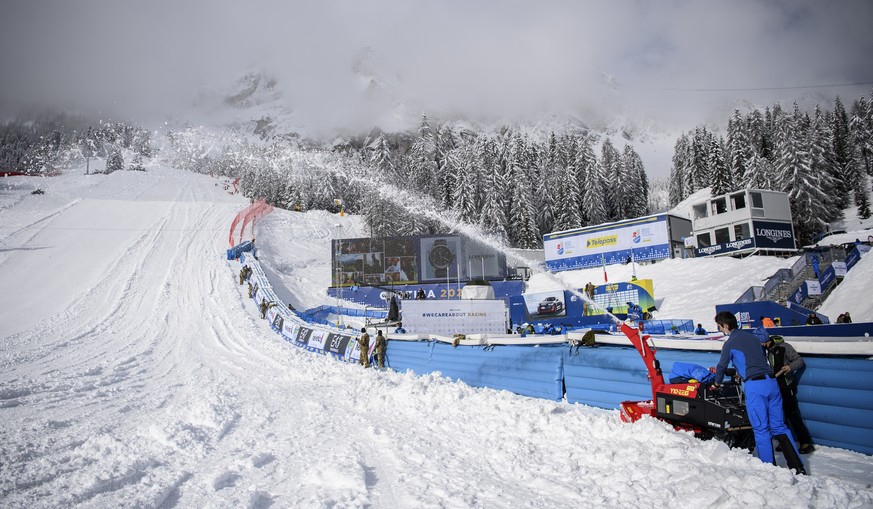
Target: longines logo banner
{"type": "Point", "coordinates": [727, 247]}
{"type": "Point", "coordinates": [769, 235]}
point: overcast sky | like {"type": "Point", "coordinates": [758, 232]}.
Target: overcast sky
{"type": "Point", "coordinates": [504, 57]}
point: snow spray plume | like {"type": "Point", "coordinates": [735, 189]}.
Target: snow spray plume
{"type": "Point", "coordinates": [426, 207]}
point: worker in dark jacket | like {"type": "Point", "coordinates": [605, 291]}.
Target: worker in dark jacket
{"type": "Point", "coordinates": [763, 400]}
{"type": "Point", "coordinates": [813, 319]}
{"type": "Point", "coordinates": [786, 363]}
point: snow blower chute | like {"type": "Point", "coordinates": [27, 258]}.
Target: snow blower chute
{"type": "Point", "coordinates": [691, 406]}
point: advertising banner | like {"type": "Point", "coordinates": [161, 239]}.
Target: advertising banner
{"type": "Point", "coordinates": [840, 268]}
{"type": "Point", "coordinates": [545, 304]}
{"type": "Point", "coordinates": [616, 296]}
{"type": "Point", "coordinates": [289, 330]}
{"type": "Point", "coordinates": [303, 334]}
{"type": "Point", "coordinates": [316, 339]}
{"type": "Point", "coordinates": [771, 235]}
{"type": "Point", "coordinates": [827, 278]}
{"type": "Point", "coordinates": [726, 247]}
{"type": "Point", "coordinates": [480, 261]}
{"type": "Point", "coordinates": [386, 261]}
{"type": "Point", "coordinates": [337, 344]}
{"type": "Point", "coordinates": [455, 316]}
{"type": "Point", "coordinates": [379, 296]}
{"type": "Point", "coordinates": [813, 287]}
{"type": "Point", "coordinates": [440, 257]}
{"type": "Point", "coordinates": [639, 239]}
{"type": "Point", "coordinates": [374, 261]}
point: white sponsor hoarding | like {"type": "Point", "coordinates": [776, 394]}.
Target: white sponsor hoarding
{"type": "Point", "coordinates": [454, 316]}
{"type": "Point", "coordinates": [813, 287]}
{"type": "Point", "coordinates": [607, 240]}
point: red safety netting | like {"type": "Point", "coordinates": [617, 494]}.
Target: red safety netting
{"type": "Point", "coordinates": [248, 215]}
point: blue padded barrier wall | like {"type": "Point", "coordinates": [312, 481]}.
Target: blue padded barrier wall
{"type": "Point", "coordinates": [836, 402]}
{"type": "Point", "coordinates": [605, 376]}
{"type": "Point", "coordinates": [835, 395]}
{"type": "Point", "coordinates": [526, 370]}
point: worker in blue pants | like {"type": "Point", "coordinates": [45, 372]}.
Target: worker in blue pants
{"type": "Point", "coordinates": [763, 399]}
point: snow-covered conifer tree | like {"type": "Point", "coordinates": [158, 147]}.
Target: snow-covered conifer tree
{"type": "Point", "coordinates": [594, 196]}
{"type": "Point", "coordinates": [721, 179]}
{"type": "Point", "coordinates": [610, 173]}
{"type": "Point", "coordinates": [114, 161]}
{"type": "Point", "coordinates": [737, 148]}
{"type": "Point", "coordinates": [677, 171]}
{"type": "Point", "coordinates": [523, 230]}
{"type": "Point", "coordinates": [845, 172]}
{"type": "Point", "coordinates": [584, 165]}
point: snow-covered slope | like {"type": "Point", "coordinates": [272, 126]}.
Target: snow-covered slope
{"type": "Point", "coordinates": [134, 373]}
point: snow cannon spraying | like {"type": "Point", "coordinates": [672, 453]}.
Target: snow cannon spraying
{"type": "Point", "coordinates": [689, 406]}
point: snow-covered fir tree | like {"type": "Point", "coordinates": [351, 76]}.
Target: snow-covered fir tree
{"type": "Point", "coordinates": [721, 177]}
{"type": "Point", "coordinates": [115, 161]}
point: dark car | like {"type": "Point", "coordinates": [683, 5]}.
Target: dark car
{"type": "Point", "coordinates": [550, 306]}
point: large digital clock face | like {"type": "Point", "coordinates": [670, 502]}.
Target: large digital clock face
{"type": "Point", "coordinates": [441, 256]}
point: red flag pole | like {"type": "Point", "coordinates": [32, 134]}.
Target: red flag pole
{"type": "Point", "coordinates": [605, 277]}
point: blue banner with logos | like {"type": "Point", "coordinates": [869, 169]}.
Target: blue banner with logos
{"type": "Point", "coordinates": [379, 296]}
{"type": "Point", "coordinates": [772, 235]}
{"type": "Point", "coordinates": [827, 278]}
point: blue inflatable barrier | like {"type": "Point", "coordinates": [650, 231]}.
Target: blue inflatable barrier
{"type": "Point", "coordinates": [835, 394]}
{"type": "Point", "coordinates": [525, 370]}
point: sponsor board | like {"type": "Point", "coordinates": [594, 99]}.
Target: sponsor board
{"type": "Point", "coordinates": [638, 234]}
{"type": "Point", "coordinates": [456, 316]}
{"type": "Point", "coordinates": [772, 235]}
{"type": "Point", "coordinates": [726, 247]}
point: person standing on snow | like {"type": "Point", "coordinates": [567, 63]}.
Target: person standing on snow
{"type": "Point", "coordinates": [380, 348]}
{"type": "Point", "coordinates": [763, 400]}
{"type": "Point", "coordinates": [364, 346]}
{"type": "Point", "coordinates": [786, 362]}
{"type": "Point", "coordinates": [263, 307]}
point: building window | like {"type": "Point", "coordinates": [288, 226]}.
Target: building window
{"type": "Point", "coordinates": [718, 206]}
{"type": "Point", "coordinates": [700, 211]}
{"type": "Point", "coordinates": [703, 240]}
{"type": "Point", "coordinates": [722, 236]}
{"type": "Point", "coordinates": [757, 200]}
{"type": "Point", "coordinates": [739, 201]}
{"type": "Point", "coordinates": [757, 205]}
{"type": "Point", "coordinates": [742, 231]}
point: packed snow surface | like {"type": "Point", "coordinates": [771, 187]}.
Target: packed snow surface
{"type": "Point", "coordinates": [134, 373]}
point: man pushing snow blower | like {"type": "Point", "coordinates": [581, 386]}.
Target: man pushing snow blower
{"type": "Point", "coordinates": [763, 400]}
{"type": "Point", "coordinates": [715, 408]}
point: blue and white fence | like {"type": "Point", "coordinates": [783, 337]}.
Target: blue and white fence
{"type": "Point", "coordinates": [835, 394]}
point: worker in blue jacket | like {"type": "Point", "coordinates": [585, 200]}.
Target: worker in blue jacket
{"type": "Point", "coordinates": [763, 399]}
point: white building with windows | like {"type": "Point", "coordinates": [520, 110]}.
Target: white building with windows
{"type": "Point", "coordinates": [743, 222]}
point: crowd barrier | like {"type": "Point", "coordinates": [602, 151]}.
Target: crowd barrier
{"type": "Point", "coordinates": [339, 343]}
{"type": "Point", "coordinates": [250, 214]}
{"type": "Point", "coordinates": [835, 394]}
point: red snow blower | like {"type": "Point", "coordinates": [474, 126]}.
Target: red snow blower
{"type": "Point", "coordinates": [708, 413]}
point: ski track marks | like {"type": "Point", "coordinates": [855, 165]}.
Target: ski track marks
{"type": "Point", "coordinates": [158, 386]}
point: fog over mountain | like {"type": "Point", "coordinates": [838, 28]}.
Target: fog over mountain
{"type": "Point", "coordinates": [666, 66]}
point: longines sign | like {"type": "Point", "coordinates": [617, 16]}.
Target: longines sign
{"type": "Point", "coordinates": [769, 235]}
{"type": "Point", "coordinates": [725, 247]}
